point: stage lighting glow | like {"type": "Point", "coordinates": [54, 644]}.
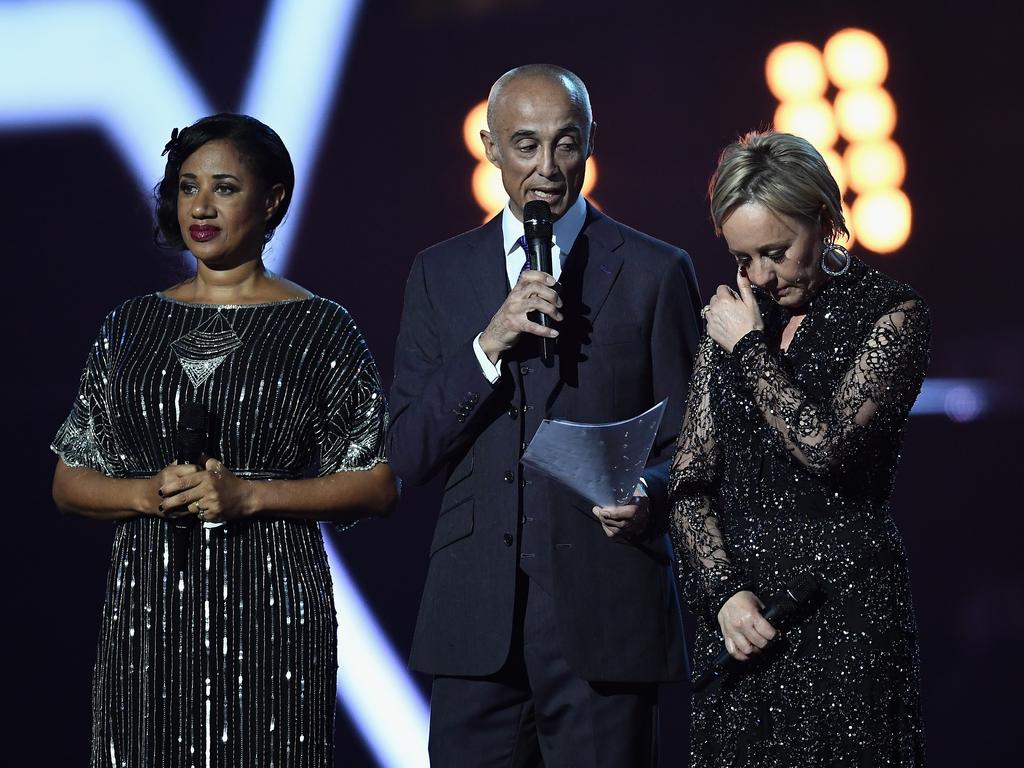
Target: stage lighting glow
{"type": "Point", "coordinates": [963, 404]}
{"type": "Point", "coordinates": [590, 180]}
{"type": "Point", "coordinates": [875, 165]}
{"type": "Point", "coordinates": [812, 120]}
{"type": "Point", "coordinates": [848, 218]}
{"type": "Point", "coordinates": [372, 681]}
{"type": "Point", "coordinates": [795, 72]}
{"type": "Point", "coordinates": [855, 58]}
{"type": "Point", "coordinates": [882, 219]}
{"type": "Point", "coordinates": [487, 188]}
{"type": "Point", "coordinates": [834, 161]}
{"type": "Point", "coordinates": [475, 122]}
{"type": "Point", "coordinates": [95, 62]}
{"type": "Point", "coordinates": [865, 114]}
{"type": "Point", "coordinates": [961, 400]}
{"type": "Point", "coordinates": [292, 85]}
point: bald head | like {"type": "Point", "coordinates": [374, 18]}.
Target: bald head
{"type": "Point", "coordinates": [509, 83]}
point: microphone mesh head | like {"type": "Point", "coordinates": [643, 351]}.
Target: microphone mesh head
{"type": "Point", "coordinates": [537, 219]}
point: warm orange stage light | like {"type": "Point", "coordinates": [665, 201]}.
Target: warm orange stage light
{"type": "Point", "coordinates": [862, 117]}
{"type": "Point", "coordinates": [865, 114]}
{"type": "Point", "coordinates": [855, 58]}
{"type": "Point", "coordinates": [814, 120]}
{"type": "Point", "coordinates": [882, 219]}
{"type": "Point", "coordinates": [796, 72]}
{"type": "Point", "coordinates": [475, 122]}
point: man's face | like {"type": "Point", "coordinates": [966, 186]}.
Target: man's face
{"type": "Point", "coordinates": [540, 140]}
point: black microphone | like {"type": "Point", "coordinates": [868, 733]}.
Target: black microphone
{"type": "Point", "coordinates": [189, 446]}
{"type": "Point", "coordinates": [538, 229]}
{"type": "Point", "coordinates": [798, 594]}
{"type": "Point", "coordinates": [190, 439]}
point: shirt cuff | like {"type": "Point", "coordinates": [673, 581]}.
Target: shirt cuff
{"type": "Point", "coordinates": [490, 371]}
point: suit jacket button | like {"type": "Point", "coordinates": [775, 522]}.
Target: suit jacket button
{"type": "Point", "coordinates": [513, 412]}
{"type": "Point", "coordinates": [507, 538]}
{"type": "Point", "coordinates": [509, 477]}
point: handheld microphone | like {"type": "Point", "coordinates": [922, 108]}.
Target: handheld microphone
{"type": "Point", "coordinates": [189, 444]}
{"type": "Point", "coordinates": [798, 594]}
{"type": "Point", "coordinates": [538, 230]}
{"type": "Point", "coordinates": [190, 439]}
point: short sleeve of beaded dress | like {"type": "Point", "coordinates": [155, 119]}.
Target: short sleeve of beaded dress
{"type": "Point", "coordinates": [232, 661]}
{"type": "Point", "coordinates": [784, 466]}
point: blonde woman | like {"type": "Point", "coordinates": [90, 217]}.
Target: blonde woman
{"type": "Point", "coordinates": [784, 467]}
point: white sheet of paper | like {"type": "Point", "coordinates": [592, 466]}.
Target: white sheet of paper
{"type": "Point", "coordinates": [600, 462]}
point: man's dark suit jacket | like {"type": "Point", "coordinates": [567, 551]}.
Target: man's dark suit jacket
{"type": "Point", "coordinates": [627, 342]}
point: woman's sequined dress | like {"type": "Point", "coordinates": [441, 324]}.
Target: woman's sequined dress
{"type": "Point", "coordinates": [234, 663]}
{"type": "Point", "coordinates": [784, 466]}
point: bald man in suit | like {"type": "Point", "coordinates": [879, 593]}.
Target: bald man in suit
{"type": "Point", "coordinates": [546, 622]}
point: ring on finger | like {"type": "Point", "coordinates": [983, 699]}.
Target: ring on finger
{"type": "Point", "coordinates": [704, 312]}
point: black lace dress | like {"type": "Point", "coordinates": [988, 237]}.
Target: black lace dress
{"type": "Point", "coordinates": [784, 466]}
{"type": "Point", "coordinates": [232, 662]}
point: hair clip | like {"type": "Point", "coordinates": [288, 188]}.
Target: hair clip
{"type": "Point", "coordinates": [171, 145]}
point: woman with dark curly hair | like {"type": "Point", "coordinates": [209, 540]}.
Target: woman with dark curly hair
{"type": "Point", "coordinates": [218, 637]}
{"type": "Point", "coordinates": [782, 477]}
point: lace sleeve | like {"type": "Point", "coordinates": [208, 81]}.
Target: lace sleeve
{"type": "Point", "coordinates": [693, 494]}
{"type": "Point", "coordinates": [878, 389]}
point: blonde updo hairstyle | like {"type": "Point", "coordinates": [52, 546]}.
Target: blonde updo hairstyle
{"type": "Point", "coordinates": [782, 172]}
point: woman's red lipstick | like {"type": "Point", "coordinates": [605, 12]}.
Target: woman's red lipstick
{"type": "Point", "coordinates": [203, 232]}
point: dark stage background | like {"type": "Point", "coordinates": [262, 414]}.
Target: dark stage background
{"type": "Point", "coordinates": [671, 83]}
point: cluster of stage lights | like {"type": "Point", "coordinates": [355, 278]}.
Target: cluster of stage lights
{"type": "Point", "coordinates": [488, 191]}
{"type": "Point", "coordinates": [859, 121]}
{"type": "Point", "coordinates": [853, 131]}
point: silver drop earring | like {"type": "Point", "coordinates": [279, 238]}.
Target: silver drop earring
{"type": "Point", "coordinates": [841, 251]}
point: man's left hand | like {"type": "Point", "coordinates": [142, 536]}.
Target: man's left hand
{"type": "Point", "coordinates": [628, 520]}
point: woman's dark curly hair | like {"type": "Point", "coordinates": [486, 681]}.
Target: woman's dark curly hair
{"type": "Point", "coordinates": [261, 150]}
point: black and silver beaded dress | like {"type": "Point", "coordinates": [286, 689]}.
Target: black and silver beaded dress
{"type": "Point", "coordinates": [234, 662]}
{"type": "Point", "coordinates": [785, 465]}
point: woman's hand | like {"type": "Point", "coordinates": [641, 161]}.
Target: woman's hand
{"type": "Point", "coordinates": [213, 494]}
{"type": "Point", "coordinates": [731, 316]}
{"type": "Point", "coordinates": [745, 630]}
{"type": "Point", "coordinates": [153, 505]}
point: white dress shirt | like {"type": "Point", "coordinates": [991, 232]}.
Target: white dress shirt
{"type": "Point", "coordinates": [564, 234]}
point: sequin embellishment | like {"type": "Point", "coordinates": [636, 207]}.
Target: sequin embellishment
{"type": "Point", "coordinates": [203, 349]}
{"type": "Point", "coordinates": [231, 661]}
{"type": "Point", "coordinates": [784, 466]}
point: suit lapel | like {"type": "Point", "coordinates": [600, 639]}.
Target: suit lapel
{"type": "Point", "coordinates": [486, 271]}
{"type": "Point", "coordinates": [589, 274]}
{"type": "Point", "coordinates": [590, 271]}
{"type": "Point", "coordinates": [599, 263]}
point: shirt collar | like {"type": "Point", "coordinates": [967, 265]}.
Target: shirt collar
{"type": "Point", "coordinates": [564, 234]}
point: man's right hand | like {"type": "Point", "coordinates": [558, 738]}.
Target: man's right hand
{"type": "Point", "coordinates": [534, 292]}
